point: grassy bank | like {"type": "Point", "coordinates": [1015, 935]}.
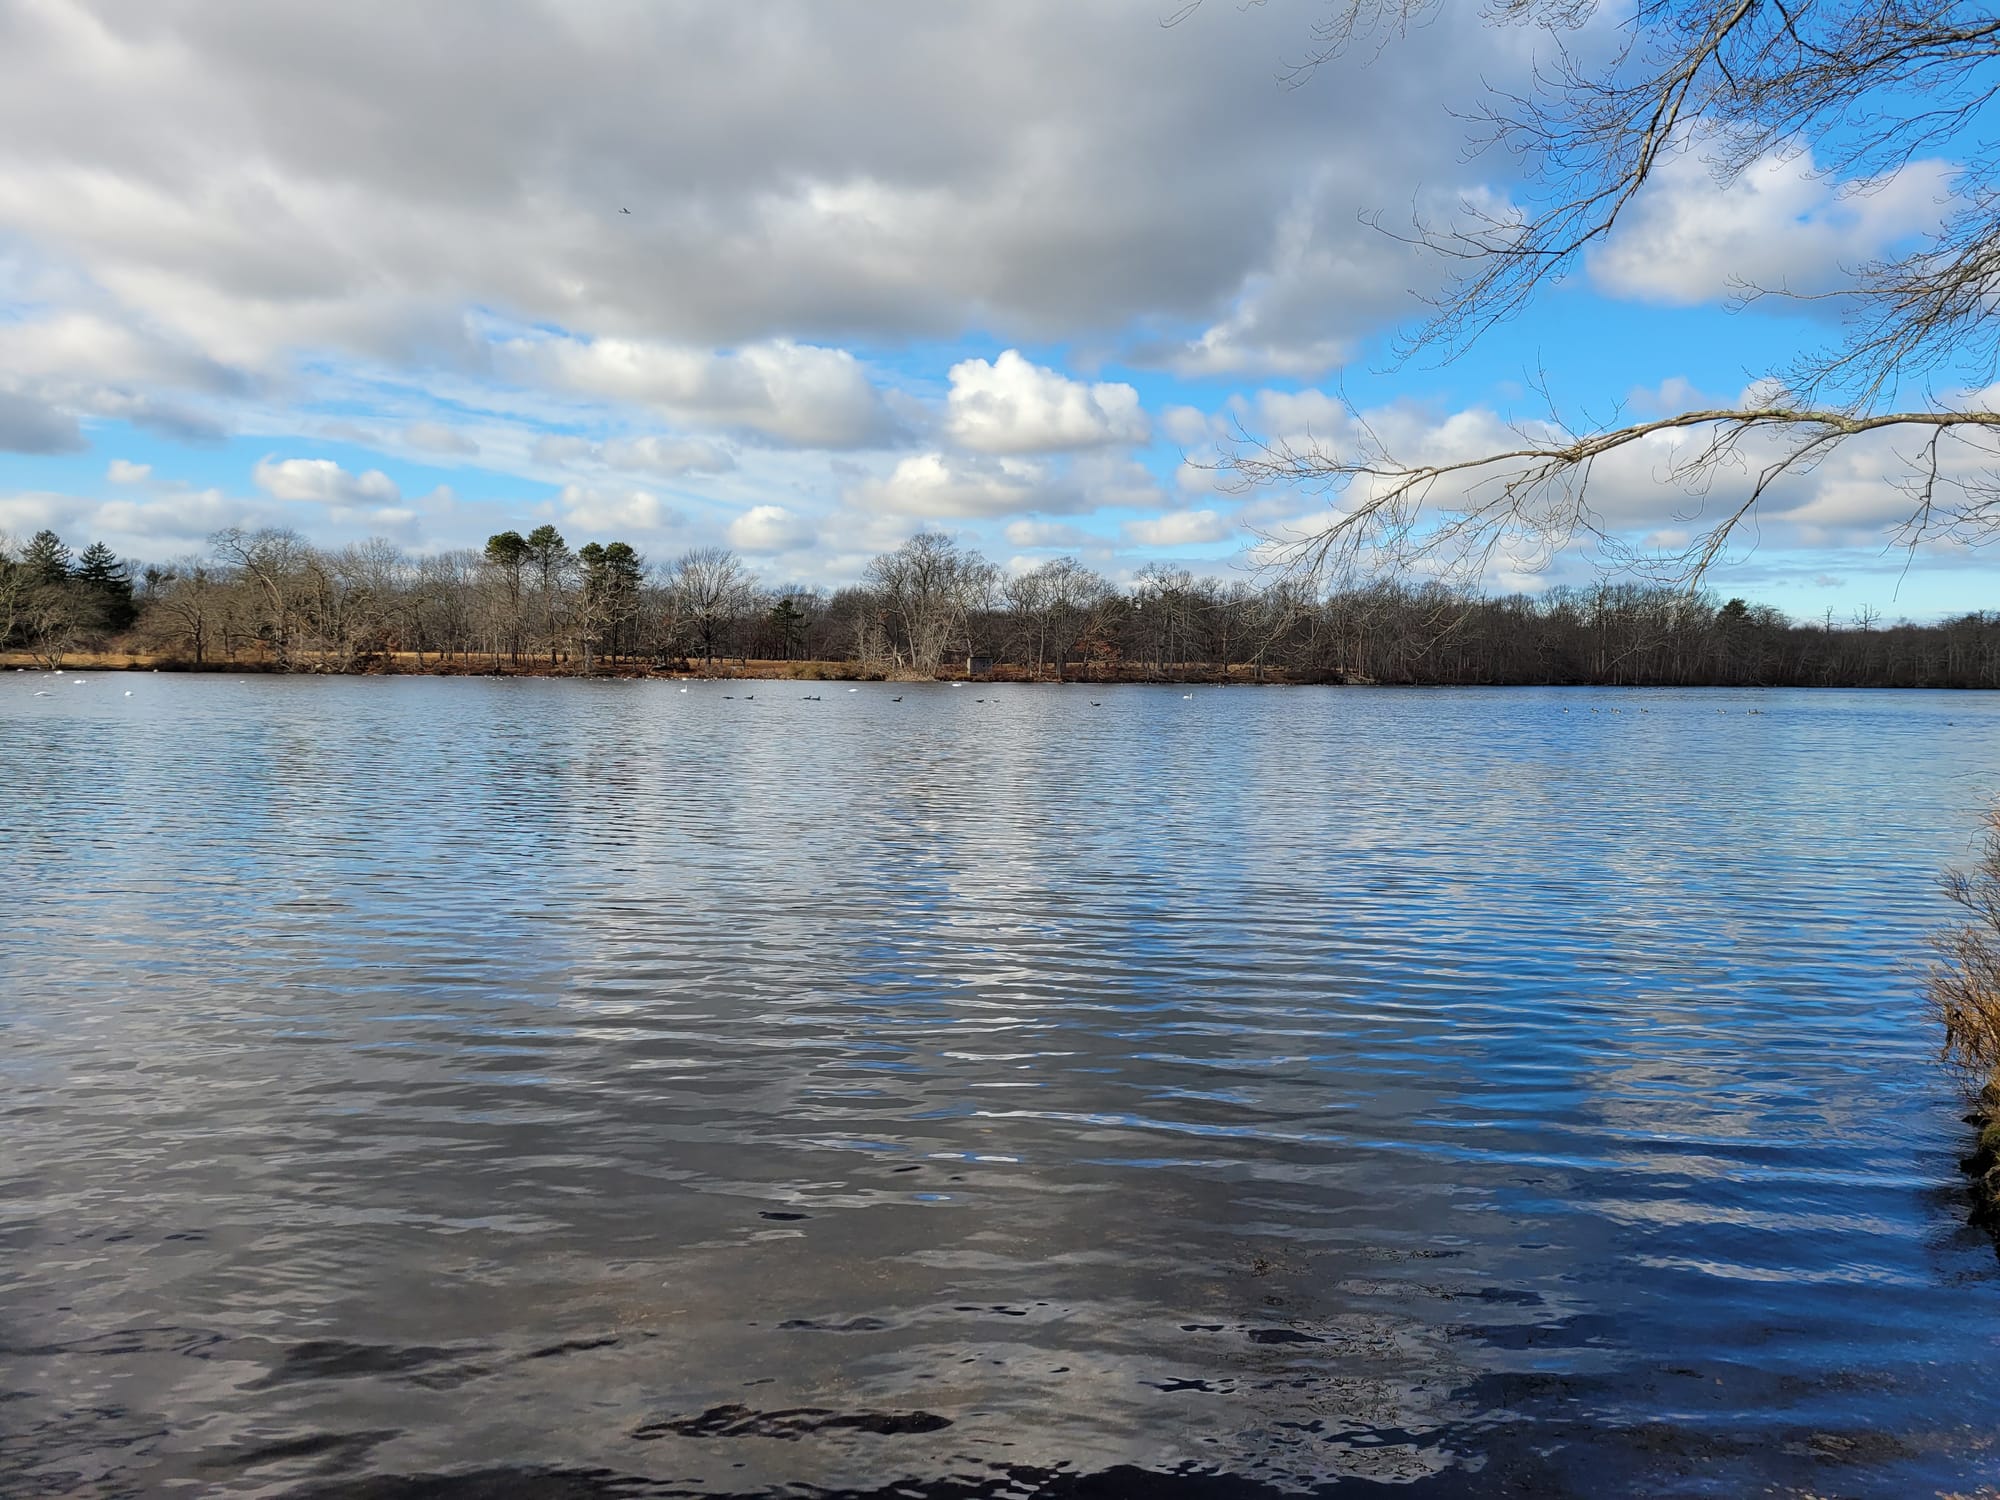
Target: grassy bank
{"type": "Point", "coordinates": [430, 664]}
{"type": "Point", "coordinates": [1965, 992]}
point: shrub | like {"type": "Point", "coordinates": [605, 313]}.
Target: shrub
{"type": "Point", "coordinates": [1964, 984]}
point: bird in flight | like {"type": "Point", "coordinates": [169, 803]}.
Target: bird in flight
{"type": "Point", "coordinates": [624, 210]}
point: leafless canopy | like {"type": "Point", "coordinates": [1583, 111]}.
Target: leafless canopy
{"type": "Point", "coordinates": [1868, 86]}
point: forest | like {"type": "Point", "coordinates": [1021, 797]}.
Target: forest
{"type": "Point", "coordinates": [271, 600]}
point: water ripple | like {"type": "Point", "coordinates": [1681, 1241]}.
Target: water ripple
{"type": "Point", "coordinates": [464, 1087]}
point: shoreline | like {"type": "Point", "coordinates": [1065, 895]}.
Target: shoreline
{"type": "Point", "coordinates": [1983, 1165]}
{"type": "Point", "coordinates": [770, 670]}
{"type": "Point", "coordinates": [752, 669]}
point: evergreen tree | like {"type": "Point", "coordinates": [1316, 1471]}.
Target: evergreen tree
{"type": "Point", "coordinates": [550, 557]}
{"type": "Point", "coordinates": [107, 584]}
{"type": "Point", "coordinates": [611, 578]}
{"type": "Point", "coordinates": [507, 551]}
{"type": "Point", "coordinates": [46, 558]}
{"type": "Point", "coordinates": [788, 623]}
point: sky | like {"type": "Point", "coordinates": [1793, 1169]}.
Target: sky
{"type": "Point", "coordinates": [804, 277]}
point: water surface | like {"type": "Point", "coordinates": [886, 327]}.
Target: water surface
{"type": "Point", "coordinates": [474, 1087]}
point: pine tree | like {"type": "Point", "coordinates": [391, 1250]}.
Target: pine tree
{"type": "Point", "coordinates": [46, 558]}
{"type": "Point", "coordinates": [788, 621]}
{"type": "Point", "coordinates": [107, 584]}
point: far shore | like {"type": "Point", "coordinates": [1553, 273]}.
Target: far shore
{"type": "Point", "coordinates": [761, 669]}
{"type": "Point", "coordinates": [410, 664]}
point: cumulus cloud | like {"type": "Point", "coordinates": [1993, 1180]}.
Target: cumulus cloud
{"type": "Point", "coordinates": [937, 484]}
{"type": "Point", "coordinates": [1855, 496]}
{"type": "Point", "coordinates": [770, 528]}
{"type": "Point", "coordinates": [1686, 240]}
{"type": "Point", "coordinates": [407, 167]}
{"type": "Point", "coordinates": [1013, 406]}
{"type": "Point", "coordinates": [796, 393]}
{"type": "Point", "coordinates": [31, 426]}
{"type": "Point", "coordinates": [1179, 529]}
{"type": "Point", "coordinates": [159, 415]}
{"type": "Point", "coordinates": [1045, 534]}
{"type": "Point", "coordinates": [123, 471]}
{"type": "Point", "coordinates": [188, 519]}
{"type": "Point", "coordinates": [324, 482]}
{"type": "Point", "coordinates": [611, 509]}
{"type": "Point", "coordinates": [1303, 307]}
{"type": "Point", "coordinates": [95, 347]}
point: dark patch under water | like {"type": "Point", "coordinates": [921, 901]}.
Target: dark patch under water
{"type": "Point", "coordinates": [483, 1088]}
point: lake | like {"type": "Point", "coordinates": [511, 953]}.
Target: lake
{"type": "Point", "coordinates": [482, 1087]}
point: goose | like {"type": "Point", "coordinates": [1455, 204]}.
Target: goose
{"type": "Point", "coordinates": [1095, 704]}
{"type": "Point", "coordinates": [44, 693]}
{"type": "Point", "coordinates": [128, 692]}
{"type": "Point", "coordinates": [897, 699]}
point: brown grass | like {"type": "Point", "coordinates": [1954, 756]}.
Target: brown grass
{"type": "Point", "coordinates": [1965, 982]}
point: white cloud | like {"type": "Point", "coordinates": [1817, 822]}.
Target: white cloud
{"type": "Point", "coordinates": [435, 437]}
{"type": "Point", "coordinates": [485, 167]}
{"type": "Point", "coordinates": [669, 458]}
{"type": "Point", "coordinates": [1013, 406]}
{"type": "Point", "coordinates": [123, 471]}
{"type": "Point", "coordinates": [1045, 534]}
{"type": "Point", "coordinates": [1179, 529]}
{"type": "Point", "coordinates": [557, 449]}
{"type": "Point", "coordinates": [610, 510]}
{"type": "Point", "coordinates": [31, 426]}
{"type": "Point", "coordinates": [936, 484]}
{"type": "Point", "coordinates": [1187, 425]}
{"type": "Point", "coordinates": [800, 394]}
{"type": "Point", "coordinates": [770, 528]}
{"type": "Point", "coordinates": [1686, 240]}
{"type": "Point", "coordinates": [322, 481]}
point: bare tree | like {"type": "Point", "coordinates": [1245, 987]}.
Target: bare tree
{"type": "Point", "coordinates": [273, 562]}
{"type": "Point", "coordinates": [189, 601]}
{"type": "Point", "coordinates": [1870, 84]}
{"type": "Point", "coordinates": [13, 588]}
{"type": "Point", "coordinates": [708, 590]}
{"type": "Point", "coordinates": [1055, 606]}
{"type": "Point", "coordinates": [927, 586]}
{"type": "Point", "coordinates": [56, 616]}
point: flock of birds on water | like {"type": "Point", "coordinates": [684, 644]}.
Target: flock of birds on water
{"type": "Point", "coordinates": [76, 681]}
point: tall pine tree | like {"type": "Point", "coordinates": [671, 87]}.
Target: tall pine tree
{"type": "Point", "coordinates": [107, 584]}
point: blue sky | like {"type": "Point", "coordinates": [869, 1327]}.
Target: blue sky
{"type": "Point", "coordinates": [1012, 272]}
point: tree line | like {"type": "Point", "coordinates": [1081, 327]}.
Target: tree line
{"type": "Point", "coordinates": [930, 607]}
